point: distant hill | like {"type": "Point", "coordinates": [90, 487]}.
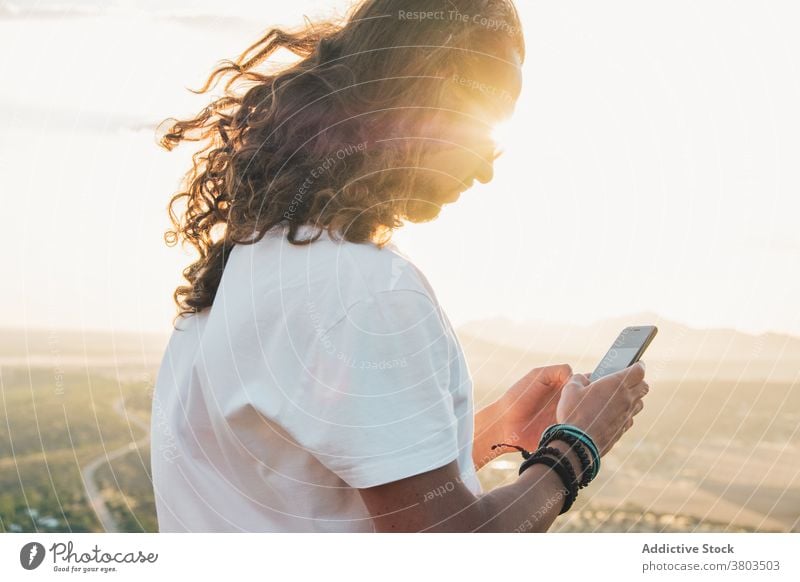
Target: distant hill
{"type": "Point", "coordinates": [70, 348]}
{"type": "Point", "coordinates": [678, 351]}
{"type": "Point", "coordinates": [710, 445]}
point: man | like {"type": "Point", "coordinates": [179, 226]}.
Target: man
{"type": "Point", "coordinates": [313, 382]}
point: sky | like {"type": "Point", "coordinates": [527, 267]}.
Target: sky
{"type": "Point", "coordinates": [651, 164]}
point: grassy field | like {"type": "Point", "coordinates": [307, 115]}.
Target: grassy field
{"type": "Point", "coordinates": [711, 454]}
{"type": "Point", "coordinates": [53, 425]}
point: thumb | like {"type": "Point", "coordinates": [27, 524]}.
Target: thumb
{"type": "Point", "coordinates": [560, 374]}
{"type": "Point", "coordinates": [555, 376]}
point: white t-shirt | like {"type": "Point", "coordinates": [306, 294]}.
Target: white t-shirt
{"type": "Point", "coordinates": [319, 369]}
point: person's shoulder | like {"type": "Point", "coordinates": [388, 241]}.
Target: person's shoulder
{"type": "Point", "coordinates": [332, 274]}
{"type": "Point", "coordinates": [358, 269]}
{"type": "Point", "coordinates": [384, 269]}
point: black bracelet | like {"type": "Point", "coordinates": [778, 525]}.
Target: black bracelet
{"type": "Point", "coordinates": [560, 469]}
{"type": "Point", "coordinates": [561, 456]}
{"type": "Point", "coordinates": [576, 445]}
{"type": "Point", "coordinates": [563, 468]}
{"type": "Point", "coordinates": [582, 436]}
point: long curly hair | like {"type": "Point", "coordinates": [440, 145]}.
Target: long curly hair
{"type": "Point", "coordinates": [324, 141]}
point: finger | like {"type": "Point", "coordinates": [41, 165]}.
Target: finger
{"type": "Point", "coordinates": [640, 390]}
{"type": "Point", "coordinates": [558, 374]}
{"type": "Point", "coordinates": [643, 388]}
{"type": "Point", "coordinates": [580, 379]}
{"type": "Point", "coordinates": [632, 375]}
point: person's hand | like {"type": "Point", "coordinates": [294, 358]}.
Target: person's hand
{"type": "Point", "coordinates": [605, 408]}
{"type": "Point", "coordinates": [529, 406]}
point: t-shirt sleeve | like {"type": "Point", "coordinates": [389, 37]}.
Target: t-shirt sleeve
{"type": "Point", "coordinates": [375, 405]}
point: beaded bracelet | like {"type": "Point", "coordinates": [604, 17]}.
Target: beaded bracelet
{"type": "Point", "coordinates": [563, 469]}
{"type": "Point", "coordinates": [576, 445]}
{"type": "Point", "coordinates": [585, 439]}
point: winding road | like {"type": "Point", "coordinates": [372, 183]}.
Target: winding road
{"type": "Point", "coordinates": [93, 494]}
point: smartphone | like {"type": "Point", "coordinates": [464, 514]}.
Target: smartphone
{"type": "Point", "coordinates": [625, 351]}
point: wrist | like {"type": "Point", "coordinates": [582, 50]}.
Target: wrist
{"type": "Point", "coordinates": [582, 444]}
{"type": "Point", "coordinates": [571, 455]}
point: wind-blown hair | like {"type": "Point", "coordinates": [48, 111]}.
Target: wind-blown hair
{"type": "Point", "coordinates": [328, 140]}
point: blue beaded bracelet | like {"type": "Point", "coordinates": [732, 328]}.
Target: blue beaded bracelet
{"type": "Point", "coordinates": [580, 435]}
{"type": "Point", "coordinates": [584, 438]}
{"type": "Point", "coordinates": [574, 439]}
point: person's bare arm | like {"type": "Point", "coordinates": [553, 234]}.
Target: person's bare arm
{"type": "Point", "coordinates": [487, 433]}
{"type": "Point", "coordinates": [437, 501]}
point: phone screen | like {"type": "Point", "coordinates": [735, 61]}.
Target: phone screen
{"type": "Point", "coordinates": [627, 349]}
